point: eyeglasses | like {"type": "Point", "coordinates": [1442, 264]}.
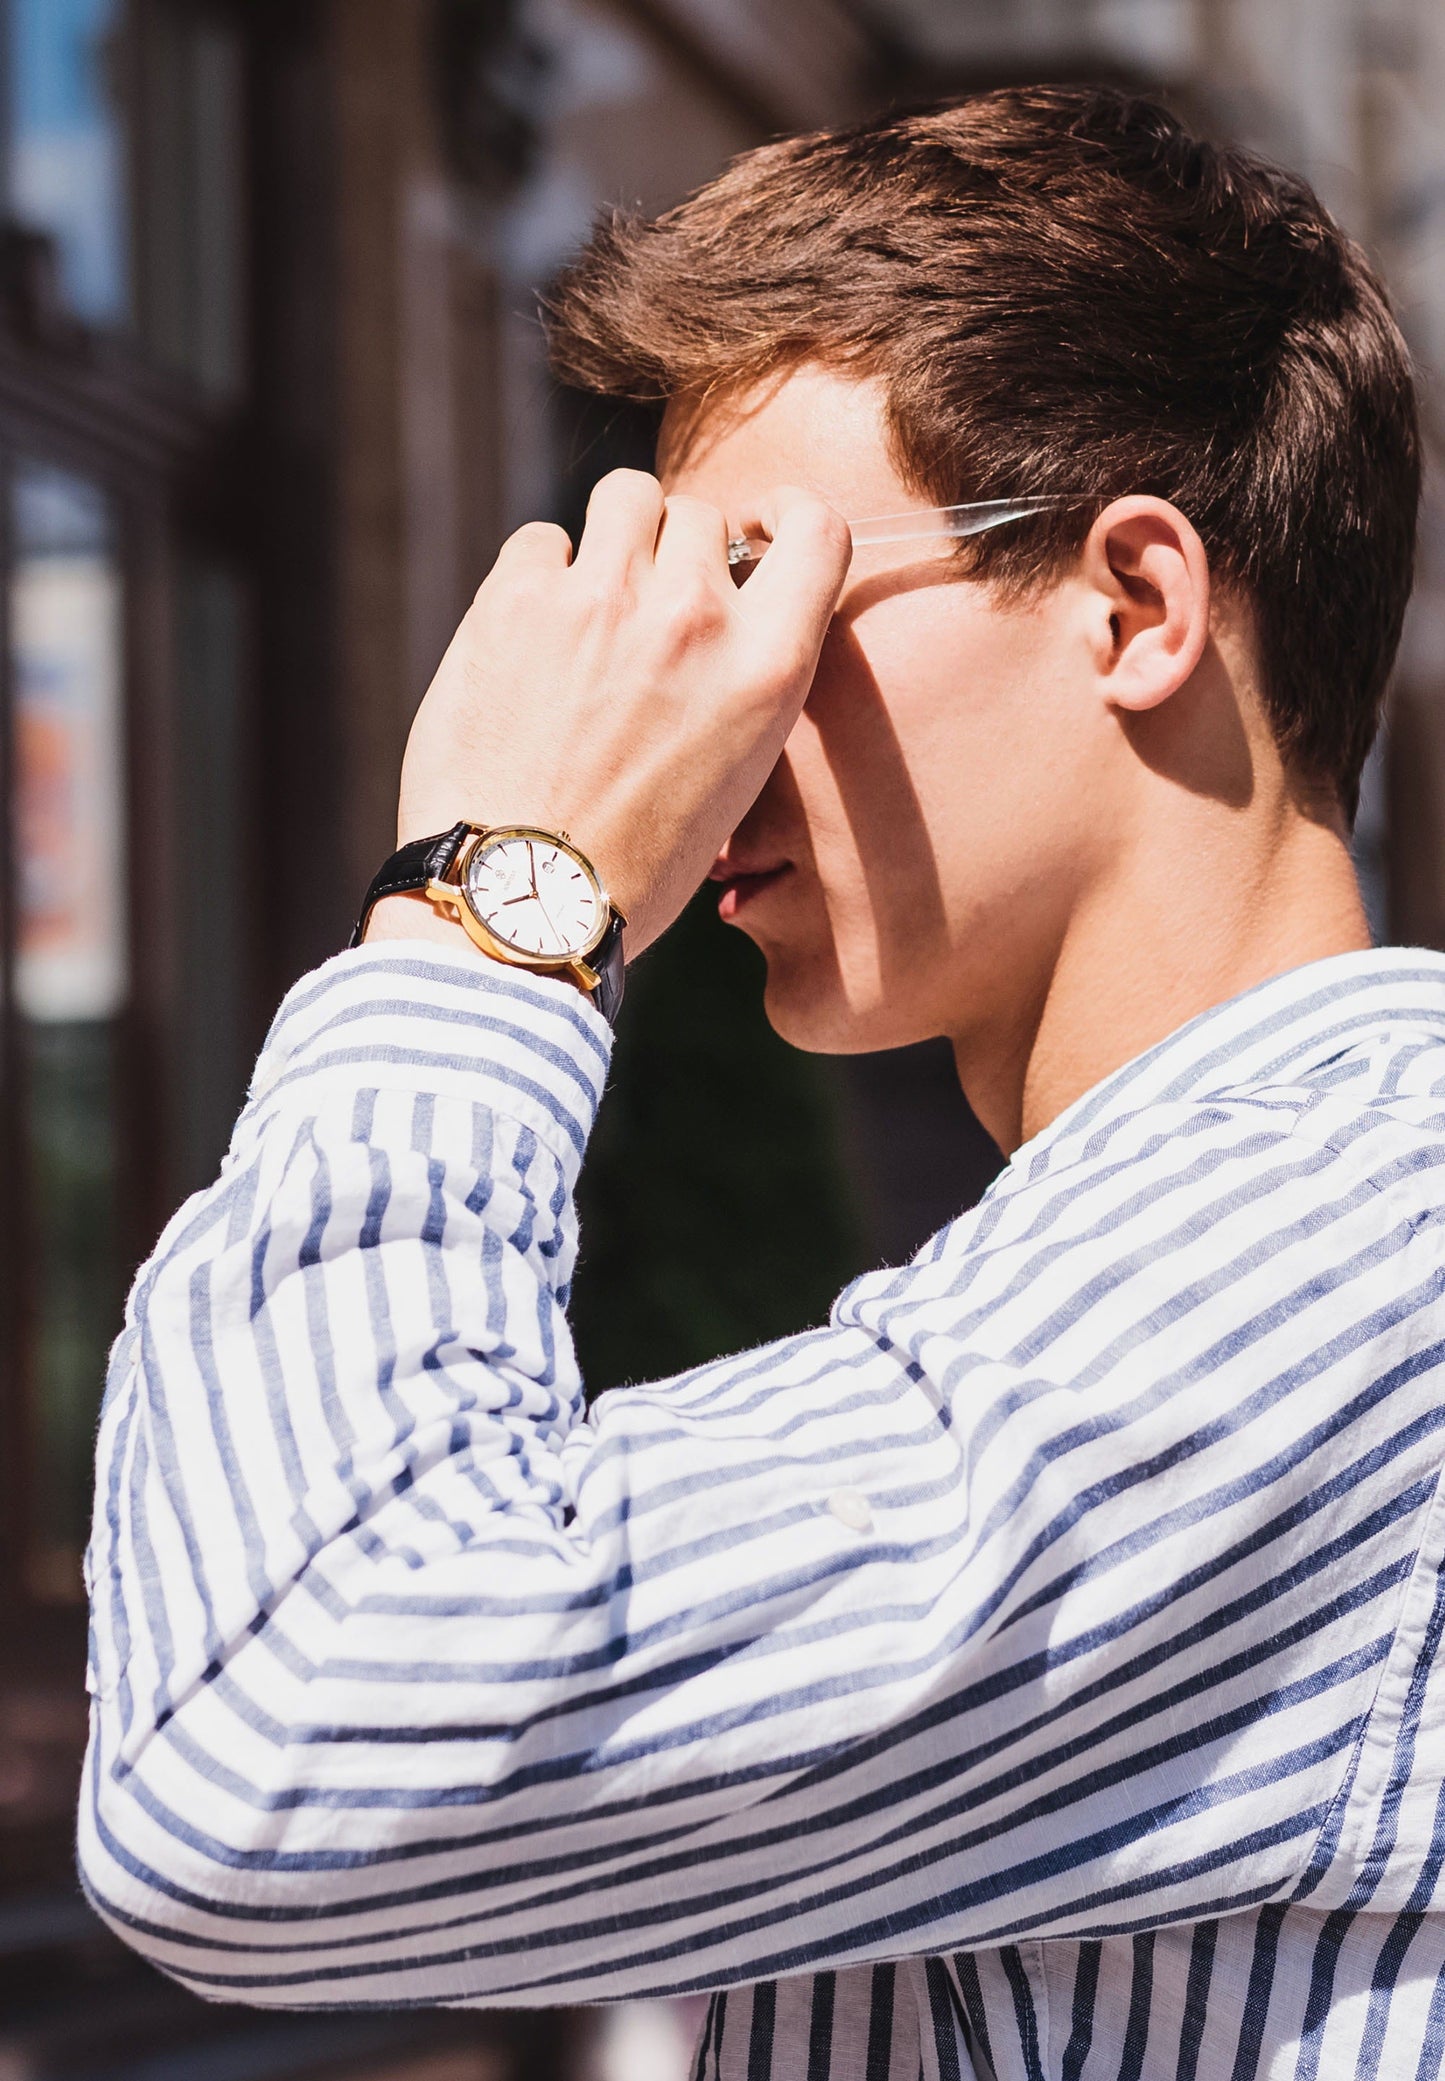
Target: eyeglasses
{"type": "Point", "coordinates": [934, 521]}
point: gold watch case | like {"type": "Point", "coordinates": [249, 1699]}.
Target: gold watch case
{"type": "Point", "coordinates": [454, 894]}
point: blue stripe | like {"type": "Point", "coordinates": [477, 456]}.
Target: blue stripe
{"type": "Point", "coordinates": [1257, 1995]}
{"type": "Point", "coordinates": [1081, 2020]}
{"type": "Point", "coordinates": [941, 2022]}
{"type": "Point", "coordinates": [975, 2012]}
{"type": "Point", "coordinates": [879, 2061]}
{"type": "Point", "coordinates": [1136, 2023]}
{"type": "Point", "coordinates": [760, 2032]}
{"type": "Point", "coordinates": [1192, 2033]}
{"type": "Point", "coordinates": [1025, 2021]}
{"type": "Point", "coordinates": [820, 2028]}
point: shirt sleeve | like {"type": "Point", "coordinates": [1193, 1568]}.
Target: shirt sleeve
{"type": "Point", "coordinates": [952, 1621]}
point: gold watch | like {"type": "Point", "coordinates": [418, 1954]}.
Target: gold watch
{"type": "Point", "coordinates": [525, 896]}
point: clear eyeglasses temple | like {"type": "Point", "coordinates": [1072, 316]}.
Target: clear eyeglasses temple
{"type": "Point", "coordinates": [951, 521]}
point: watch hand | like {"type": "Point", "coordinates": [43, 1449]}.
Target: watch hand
{"type": "Point", "coordinates": [532, 870]}
{"type": "Point", "coordinates": [551, 927]}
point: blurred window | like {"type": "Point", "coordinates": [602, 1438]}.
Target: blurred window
{"type": "Point", "coordinates": [124, 129]}
{"type": "Point", "coordinates": [66, 135]}
{"type": "Point", "coordinates": [69, 980]}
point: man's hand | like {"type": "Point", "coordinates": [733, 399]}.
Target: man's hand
{"type": "Point", "coordinates": [632, 695]}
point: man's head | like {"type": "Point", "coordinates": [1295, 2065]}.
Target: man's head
{"type": "Point", "coordinates": [1046, 291]}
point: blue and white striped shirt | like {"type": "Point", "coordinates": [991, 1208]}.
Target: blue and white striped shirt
{"type": "Point", "coordinates": [1031, 1673]}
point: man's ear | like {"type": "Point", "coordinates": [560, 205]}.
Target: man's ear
{"type": "Point", "coordinates": [1148, 586]}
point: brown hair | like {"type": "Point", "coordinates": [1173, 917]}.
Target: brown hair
{"type": "Point", "coordinates": [1065, 291]}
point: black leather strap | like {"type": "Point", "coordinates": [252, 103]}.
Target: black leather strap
{"type": "Point", "coordinates": [424, 860]}
{"type": "Point", "coordinates": [606, 958]}
{"type": "Point", "coordinates": [409, 869]}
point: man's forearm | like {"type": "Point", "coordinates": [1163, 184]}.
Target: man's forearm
{"type": "Point", "coordinates": [407, 1678]}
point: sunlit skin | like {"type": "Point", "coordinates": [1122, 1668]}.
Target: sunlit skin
{"type": "Point", "coordinates": [1050, 828]}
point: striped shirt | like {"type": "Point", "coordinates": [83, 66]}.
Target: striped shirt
{"type": "Point", "coordinates": [1031, 1673]}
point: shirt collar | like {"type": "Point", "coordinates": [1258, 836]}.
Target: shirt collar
{"type": "Point", "coordinates": [1276, 1033]}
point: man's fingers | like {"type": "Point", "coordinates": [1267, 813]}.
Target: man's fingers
{"type": "Point", "coordinates": [693, 532]}
{"type": "Point", "coordinates": [790, 597]}
{"type": "Point", "coordinates": [539, 544]}
{"type": "Point", "coordinates": [623, 516]}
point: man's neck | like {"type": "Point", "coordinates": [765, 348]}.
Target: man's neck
{"type": "Point", "coordinates": [1137, 961]}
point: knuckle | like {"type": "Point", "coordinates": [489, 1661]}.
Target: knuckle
{"type": "Point", "coordinates": [808, 508]}
{"type": "Point", "coordinates": [692, 607]}
{"type": "Point", "coordinates": [825, 520]}
{"type": "Point", "coordinates": [538, 535]}
{"type": "Point", "coordinates": [833, 527]}
{"type": "Point", "coordinates": [629, 483]}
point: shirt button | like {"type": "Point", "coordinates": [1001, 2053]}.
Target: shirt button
{"type": "Point", "coordinates": [851, 1510]}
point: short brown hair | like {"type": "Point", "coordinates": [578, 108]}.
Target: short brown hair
{"type": "Point", "coordinates": [1065, 291]}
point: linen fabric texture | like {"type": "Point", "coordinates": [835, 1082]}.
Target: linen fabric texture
{"type": "Point", "coordinates": [1034, 1672]}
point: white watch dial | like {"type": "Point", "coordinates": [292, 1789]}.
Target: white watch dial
{"type": "Point", "coordinates": [535, 896]}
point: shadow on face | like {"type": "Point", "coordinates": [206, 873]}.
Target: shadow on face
{"type": "Point", "coordinates": [859, 740]}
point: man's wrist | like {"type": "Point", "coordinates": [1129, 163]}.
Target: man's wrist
{"type": "Point", "coordinates": [417, 917]}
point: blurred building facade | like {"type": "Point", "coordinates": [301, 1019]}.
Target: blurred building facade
{"type": "Point", "coordinates": [271, 394]}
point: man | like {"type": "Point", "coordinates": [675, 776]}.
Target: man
{"type": "Point", "coordinates": [1033, 1671]}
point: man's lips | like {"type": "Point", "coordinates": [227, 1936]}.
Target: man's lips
{"type": "Point", "coordinates": [741, 885]}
